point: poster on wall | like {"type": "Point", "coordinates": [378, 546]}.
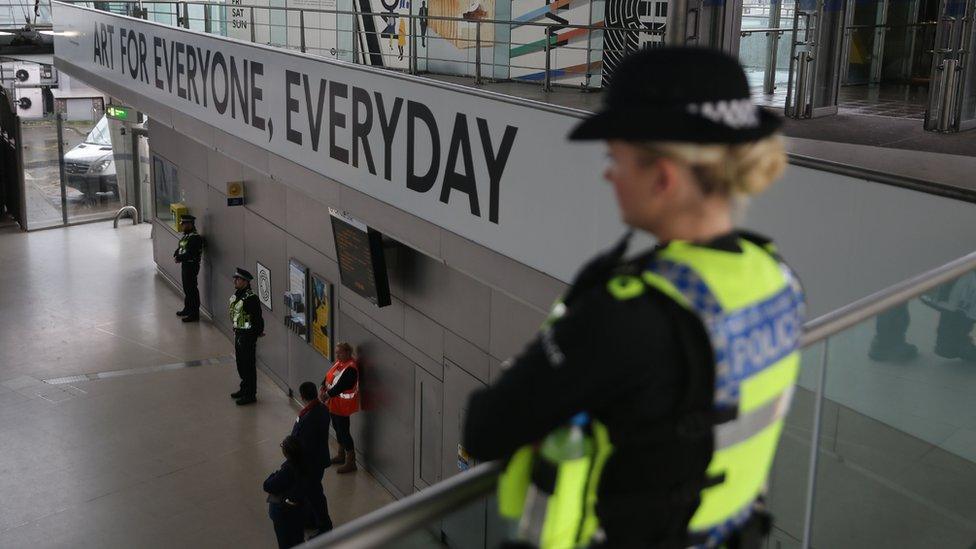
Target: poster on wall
{"type": "Point", "coordinates": [384, 32]}
{"type": "Point", "coordinates": [321, 316]}
{"type": "Point", "coordinates": [296, 299]}
{"type": "Point", "coordinates": [264, 285]}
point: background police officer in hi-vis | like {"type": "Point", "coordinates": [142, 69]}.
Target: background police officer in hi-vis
{"type": "Point", "coordinates": [188, 254]}
{"type": "Point", "coordinates": [248, 323]}
{"type": "Point", "coordinates": [647, 411]}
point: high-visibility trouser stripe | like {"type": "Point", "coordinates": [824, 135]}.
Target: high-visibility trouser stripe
{"type": "Point", "coordinates": [752, 423]}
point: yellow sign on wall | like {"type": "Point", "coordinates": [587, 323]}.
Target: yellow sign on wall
{"type": "Point", "coordinates": [235, 193]}
{"type": "Point", "coordinates": [178, 210]}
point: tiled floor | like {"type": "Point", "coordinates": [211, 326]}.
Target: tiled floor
{"type": "Point", "coordinates": [157, 458]}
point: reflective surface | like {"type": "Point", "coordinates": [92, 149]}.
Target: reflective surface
{"type": "Point", "coordinates": [42, 175]}
{"type": "Point", "coordinates": [899, 455]}
{"type": "Point", "coordinates": [155, 459]}
{"type": "Point", "coordinates": [94, 159]}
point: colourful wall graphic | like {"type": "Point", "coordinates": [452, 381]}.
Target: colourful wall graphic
{"type": "Point", "coordinates": [461, 33]}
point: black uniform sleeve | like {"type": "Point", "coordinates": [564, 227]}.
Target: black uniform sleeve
{"type": "Point", "coordinates": [252, 306]}
{"type": "Point", "coordinates": [280, 481]}
{"type": "Point", "coordinates": [601, 350]}
{"type": "Point", "coordinates": [194, 248]}
{"type": "Point", "coordinates": [346, 381]}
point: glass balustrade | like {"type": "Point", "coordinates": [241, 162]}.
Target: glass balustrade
{"type": "Point", "coordinates": [887, 402]}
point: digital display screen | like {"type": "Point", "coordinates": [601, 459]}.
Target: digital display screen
{"type": "Point", "coordinates": [118, 113]}
{"type": "Point", "coordinates": [362, 263]}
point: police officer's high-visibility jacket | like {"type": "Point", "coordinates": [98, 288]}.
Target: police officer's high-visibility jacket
{"type": "Point", "coordinates": [751, 307]}
{"type": "Point", "coordinates": [240, 318]}
{"type": "Point", "coordinates": [189, 248]}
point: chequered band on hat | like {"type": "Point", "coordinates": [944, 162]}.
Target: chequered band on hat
{"type": "Point", "coordinates": [735, 113]}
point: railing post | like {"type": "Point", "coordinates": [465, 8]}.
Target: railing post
{"type": "Point", "coordinates": [477, 53]}
{"type": "Point", "coordinates": [413, 45]}
{"type": "Point", "coordinates": [676, 28]}
{"type": "Point", "coordinates": [207, 19]}
{"type": "Point", "coordinates": [179, 20]}
{"type": "Point", "coordinates": [948, 94]}
{"type": "Point", "coordinates": [59, 121]}
{"type": "Point", "coordinates": [546, 81]}
{"type": "Point", "coordinates": [253, 36]}
{"type": "Point", "coordinates": [355, 39]}
{"type": "Point", "coordinates": [301, 25]}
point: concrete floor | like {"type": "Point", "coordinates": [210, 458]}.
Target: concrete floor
{"type": "Point", "coordinates": [155, 455]}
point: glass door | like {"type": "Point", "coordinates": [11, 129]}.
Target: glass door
{"type": "Point", "coordinates": [715, 24]}
{"type": "Point", "coordinates": [44, 199]}
{"type": "Point", "coordinates": [815, 58]}
{"type": "Point", "coordinates": [143, 170]}
{"type": "Point", "coordinates": [952, 105]}
{"type": "Point", "coordinates": [864, 40]}
{"type": "Point", "coordinates": [94, 166]}
{"type": "Point", "coordinates": [764, 49]}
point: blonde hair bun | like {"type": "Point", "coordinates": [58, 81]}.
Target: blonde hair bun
{"type": "Point", "coordinates": [743, 170]}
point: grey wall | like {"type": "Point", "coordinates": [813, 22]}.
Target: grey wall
{"type": "Point", "coordinates": [444, 325]}
{"type": "Point", "coordinates": [848, 238]}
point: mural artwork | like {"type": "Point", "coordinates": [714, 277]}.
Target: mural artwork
{"type": "Point", "coordinates": [639, 15]}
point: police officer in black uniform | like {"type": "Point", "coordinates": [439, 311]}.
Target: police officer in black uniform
{"type": "Point", "coordinates": [638, 347]}
{"type": "Point", "coordinates": [248, 323]}
{"type": "Point", "coordinates": [188, 254]}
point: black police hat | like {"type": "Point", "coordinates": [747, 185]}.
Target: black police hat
{"type": "Point", "coordinates": [693, 95]}
{"type": "Point", "coordinates": [187, 217]}
{"type": "Point", "coordinates": [241, 273]}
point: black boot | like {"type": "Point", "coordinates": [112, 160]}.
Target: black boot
{"type": "Point", "coordinates": [889, 343]}
{"type": "Point", "coordinates": [953, 338]}
{"type": "Point", "coordinates": [181, 313]}
{"type": "Point", "coordinates": [898, 351]}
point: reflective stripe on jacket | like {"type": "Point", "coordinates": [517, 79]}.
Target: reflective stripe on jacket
{"type": "Point", "coordinates": [239, 318]}
{"type": "Point", "coordinates": [345, 403]}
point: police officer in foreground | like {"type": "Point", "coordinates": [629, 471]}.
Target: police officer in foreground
{"type": "Point", "coordinates": [248, 323]}
{"type": "Point", "coordinates": [646, 413]}
{"type": "Point", "coordinates": [188, 254]}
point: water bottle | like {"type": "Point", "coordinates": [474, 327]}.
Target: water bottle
{"type": "Point", "coordinates": [566, 443]}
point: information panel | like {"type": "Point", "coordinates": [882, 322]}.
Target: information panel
{"type": "Point", "coordinates": [321, 312]}
{"type": "Point", "coordinates": [362, 264]}
{"type": "Point", "coordinates": [296, 299]}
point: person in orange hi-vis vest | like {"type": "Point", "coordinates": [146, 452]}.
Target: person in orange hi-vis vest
{"type": "Point", "coordinates": [340, 391]}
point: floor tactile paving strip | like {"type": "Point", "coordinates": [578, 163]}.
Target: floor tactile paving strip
{"type": "Point", "coordinates": [135, 371]}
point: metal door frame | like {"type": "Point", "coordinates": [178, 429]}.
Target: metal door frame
{"type": "Point", "coordinates": [953, 52]}
{"type": "Point", "coordinates": [136, 175]}
{"type": "Point", "coordinates": [809, 63]}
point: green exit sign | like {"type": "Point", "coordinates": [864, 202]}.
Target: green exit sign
{"type": "Point", "coordinates": [119, 113]}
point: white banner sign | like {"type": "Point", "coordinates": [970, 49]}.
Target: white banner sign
{"type": "Point", "coordinates": [494, 171]}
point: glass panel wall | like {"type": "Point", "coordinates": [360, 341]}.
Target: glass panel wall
{"type": "Point", "coordinates": [91, 169]}
{"type": "Point", "coordinates": [42, 173]}
{"type": "Point", "coordinates": [897, 464]}
{"type": "Point", "coordinates": [166, 187]}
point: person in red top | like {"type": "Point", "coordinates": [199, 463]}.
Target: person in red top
{"type": "Point", "coordinates": [340, 391]}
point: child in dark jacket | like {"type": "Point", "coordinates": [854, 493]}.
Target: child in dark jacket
{"type": "Point", "coordinates": [286, 496]}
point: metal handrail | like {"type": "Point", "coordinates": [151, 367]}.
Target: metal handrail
{"type": "Point", "coordinates": [417, 510]}
{"type": "Point", "coordinates": [920, 185]}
